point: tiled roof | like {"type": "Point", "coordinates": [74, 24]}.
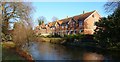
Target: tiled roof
{"type": "Point", "coordinates": [43, 26]}
{"type": "Point", "coordinates": [76, 18]}
{"type": "Point", "coordinates": [83, 16]}
{"type": "Point", "coordinates": [65, 20]}
{"type": "Point", "coordinates": [51, 24]}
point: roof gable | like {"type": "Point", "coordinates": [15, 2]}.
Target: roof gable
{"type": "Point", "coordinates": [81, 17]}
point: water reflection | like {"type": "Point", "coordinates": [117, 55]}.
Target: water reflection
{"type": "Point", "coordinates": [47, 51]}
{"type": "Point", "coordinates": [93, 56]}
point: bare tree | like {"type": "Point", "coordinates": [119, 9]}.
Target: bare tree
{"type": "Point", "coordinates": [22, 33]}
{"type": "Point", "coordinates": [41, 20]}
{"type": "Point", "coordinates": [54, 19]}
{"type": "Point", "coordinates": [14, 11]}
{"type": "Point", "coordinates": [112, 6]}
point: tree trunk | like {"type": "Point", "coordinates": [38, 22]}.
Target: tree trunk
{"type": "Point", "coordinates": [5, 27]}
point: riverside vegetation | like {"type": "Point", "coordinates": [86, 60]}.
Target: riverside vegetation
{"type": "Point", "coordinates": [106, 36]}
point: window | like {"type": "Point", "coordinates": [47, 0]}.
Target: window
{"type": "Point", "coordinates": [62, 26]}
{"type": "Point", "coordinates": [73, 22]}
{"type": "Point", "coordinates": [93, 16]}
{"type": "Point", "coordinates": [80, 23]}
{"type": "Point", "coordinates": [70, 32]}
{"type": "Point", "coordinates": [66, 32]}
{"type": "Point", "coordinates": [81, 30]}
{"type": "Point", "coordinates": [74, 32]}
{"type": "Point", "coordinates": [57, 26]}
{"type": "Point", "coordinates": [51, 28]}
{"type": "Point", "coordinates": [66, 26]}
{"type": "Point", "coordinates": [95, 23]}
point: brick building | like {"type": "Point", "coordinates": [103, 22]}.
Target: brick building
{"type": "Point", "coordinates": [83, 23]}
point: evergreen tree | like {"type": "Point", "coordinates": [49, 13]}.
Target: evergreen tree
{"type": "Point", "coordinates": [108, 30]}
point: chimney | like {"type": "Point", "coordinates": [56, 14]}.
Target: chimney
{"type": "Point", "coordinates": [83, 12]}
{"type": "Point", "coordinates": [67, 16]}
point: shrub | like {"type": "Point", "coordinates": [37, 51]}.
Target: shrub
{"type": "Point", "coordinates": [55, 35]}
{"type": "Point", "coordinates": [75, 36]}
{"type": "Point", "coordinates": [22, 34]}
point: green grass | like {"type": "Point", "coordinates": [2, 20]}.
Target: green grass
{"type": "Point", "coordinates": [9, 53]}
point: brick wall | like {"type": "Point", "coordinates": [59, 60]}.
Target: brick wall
{"type": "Point", "coordinates": [89, 24]}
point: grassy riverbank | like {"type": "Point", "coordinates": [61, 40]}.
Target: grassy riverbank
{"type": "Point", "coordinates": [88, 45]}
{"type": "Point", "coordinates": [85, 41]}
{"type": "Point", "coordinates": [51, 40]}
{"type": "Point", "coordinates": [11, 52]}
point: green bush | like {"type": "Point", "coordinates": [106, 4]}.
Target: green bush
{"type": "Point", "coordinates": [55, 36]}
{"type": "Point", "coordinates": [75, 36]}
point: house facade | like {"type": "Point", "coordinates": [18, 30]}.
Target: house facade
{"type": "Point", "coordinates": [83, 24]}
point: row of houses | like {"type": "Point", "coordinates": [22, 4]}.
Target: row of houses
{"type": "Point", "coordinates": [83, 24]}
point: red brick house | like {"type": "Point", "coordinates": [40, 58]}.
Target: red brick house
{"type": "Point", "coordinates": [83, 23]}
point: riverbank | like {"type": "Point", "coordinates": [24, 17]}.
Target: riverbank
{"type": "Point", "coordinates": [11, 52]}
{"type": "Point", "coordinates": [50, 51]}
{"type": "Point", "coordinates": [50, 40]}
{"type": "Point", "coordinates": [88, 44]}
{"type": "Point", "coordinates": [66, 42]}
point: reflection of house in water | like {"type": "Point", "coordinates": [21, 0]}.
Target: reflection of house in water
{"type": "Point", "coordinates": [83, 23]}
{"type": "Point", "coordinates": [93, 56]}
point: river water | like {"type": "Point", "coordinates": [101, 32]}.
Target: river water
{"type": "Point", "coordinates": [48, 51]}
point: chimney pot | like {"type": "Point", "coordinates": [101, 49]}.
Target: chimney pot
{"type": "Point", "coordinates": [83, 12]}
{"type": "Point", "coordinates": [67, 16]}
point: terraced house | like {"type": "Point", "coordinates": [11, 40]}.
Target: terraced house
{"type": "Point", "coordinates": [83, 23]}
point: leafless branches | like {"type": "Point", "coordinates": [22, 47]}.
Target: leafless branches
{"type": "Point", "coordinates": [22, 34]}
{"type": "Point", "coordinates": [15, 11]}
{"type": "Point", "coordinates": [111, 6]}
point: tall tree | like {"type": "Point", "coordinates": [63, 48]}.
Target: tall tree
{"type": "Point", "coordinates": [108, 30]}
{"type": "Point", "coordinates": [41, 20]}
{"type": "Point", "coordinates": [54, 19]}
{"type": "Point", "coordinates": [14, 11]}
{"type": "Point", "coordinates": [26, 36]}
{"type": "Point", "coordinates": [112, 6]}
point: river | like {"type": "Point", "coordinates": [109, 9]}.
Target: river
{"type": "Point", "coordinates": [48, 51]}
